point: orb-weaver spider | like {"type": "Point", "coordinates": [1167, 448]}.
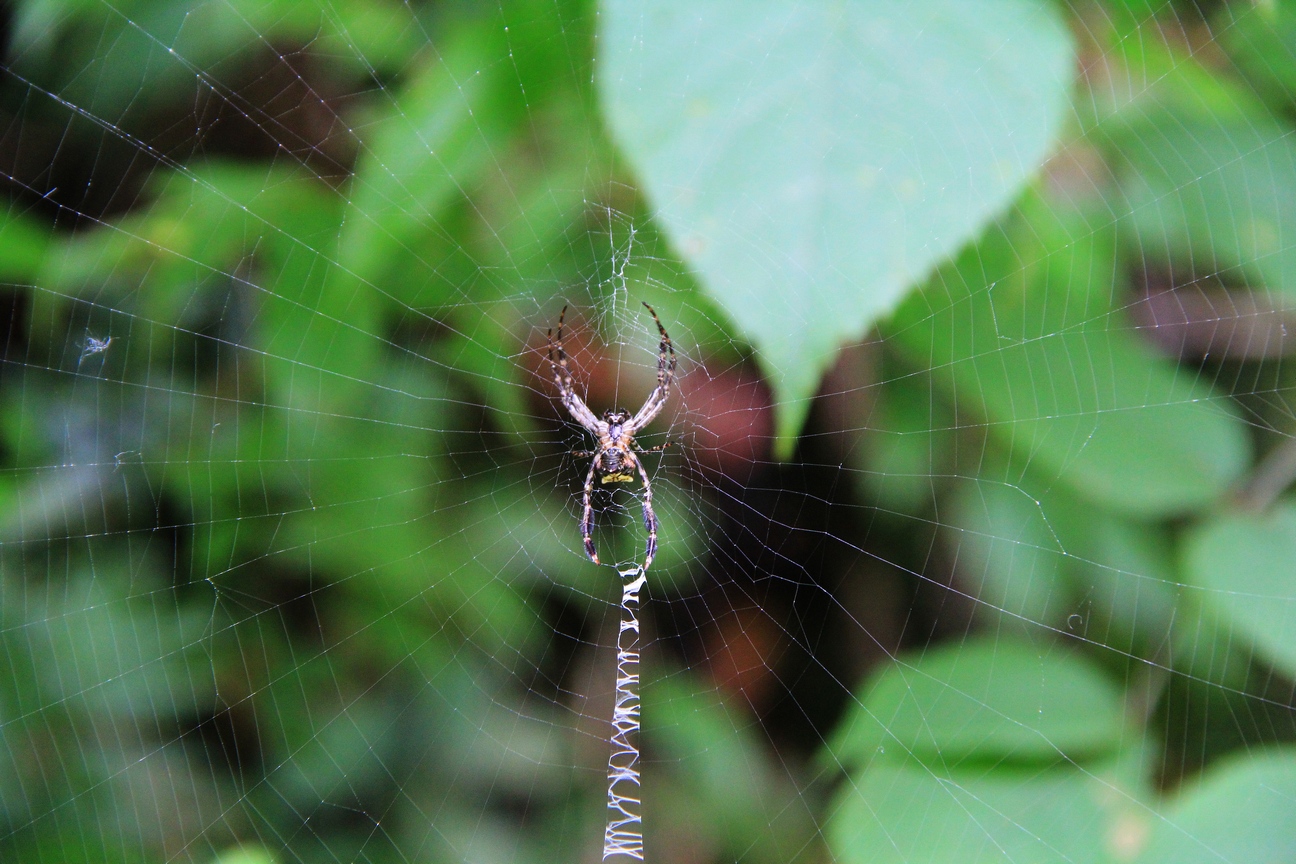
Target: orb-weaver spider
{"type": "Point", "coordinates": [614, 460]}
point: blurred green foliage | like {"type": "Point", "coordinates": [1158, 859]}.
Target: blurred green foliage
{"type": "Point", "coordinates": [288, 557]}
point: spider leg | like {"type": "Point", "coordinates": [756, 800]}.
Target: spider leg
{"type": "Point", "coordinates": [649, 517]}
{"type": "Point", "coordinates": [581, 454]}
{"type": "Point", "coordinates": [562, 377]}
{"type": "Point", "coordinates": [664, 369]}
{"type": "Point", "coordinates": [659, 448]}
{"type": "Point", "coordinates": [665, 374]}
{"type": "Point", "coordinates": [587, 515]}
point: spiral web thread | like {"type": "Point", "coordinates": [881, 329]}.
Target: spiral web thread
{"type": "Point", "coordinates": [624, 833]}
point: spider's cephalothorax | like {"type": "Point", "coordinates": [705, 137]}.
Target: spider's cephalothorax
{"type": "Point", "coordinates": [615, 461]}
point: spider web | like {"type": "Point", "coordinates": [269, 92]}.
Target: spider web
{"type": "Point", "coordinates": [290, 556]}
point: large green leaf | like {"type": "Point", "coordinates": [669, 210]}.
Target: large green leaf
{"type": "Point", "coordinates": [443, 130]}
{"type": "Point", "coordinates": [118, 61]}
{"type": "Point", "coordinates": [714, 756]}
{"type": "Point", "coordinates": [906, 815]}
{"type": "Point", "coordinates": [1206, 171]}
{"type": "Point", "coordinates": [812, 161]}
{"type": "Point", "coordinates": [987, 699]}
{"type": "Point", "coordinates": [23, 244]}
{"type": "Point", "coordinates": [1022, 331]}
{"type": "Point", "coordinates": [1032, 553]}
{"type": "Point", "coordinates": [1218, 192]}
{"type": "Point", "coordinates": [1261, 39]}
{"type": "Point", "coordinates": [1246, 564]}
{"type": "Point", "coordinates": [1008, 553]}
{"type": "Point", "coordinates": [447, 134]}
{"type": "Point", "coordinates": [1241, 812]}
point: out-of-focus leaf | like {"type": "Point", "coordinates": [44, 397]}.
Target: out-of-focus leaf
{"type": "Point", "coordinates": [1218, 193]}
{"type": "Point", "coordinates": [455, 113]}
{"type": "Point", "coordinates": [23, 244]}
{"type": "Point", "coordinates": [988, 699]}
{"type": "Point", "coordinates": [364, 35]}
{"type": "Point", "coordinates": [499, 751]}
{"type": "Point", "coordinates": [1209, 653]}
{"type": "Point", "coordinates": [372, 516]}
{"type": "Point", "coordinates": [121, 60]}
{"type": "Point", "coordinates": [1244, 566]}
{"type": "Point", "coordinates": [1007, 552]}
{"type": "Point", "coordinates": [451, 125]}
{"type": "Point", "coordinates": [1127, 14]}
{"type": "Point", "coordinates": [746, 805]}
{"type": "Point", "coordinates": [244, 855]}
{"type": "Point", "coordinates": [907, 815]}
{"type": "Point", "coordinates": [907, 446]}
{"type": "Point", "coordinates": [228, 467]}
{"type": "Point", "coordinates": [321, 333]}
{"type": "Point", "coordinates": [1122, 576]}
{"type": "Point", "coordinates": [521, 234]}
{"type": "Point", "coordinates": [1240, 812]}
{"type": "Point", "coordinates": [1206, 172]}
{"type": "Point", "coordinates": [1037, 554]}
{"type": "Point", "coordinates": [813, 162]}
{"type": "Point", "coordinates": [1145, 71]}
{"type": "Point", "coordinates": [103, 59]}
{"type": "Point", "coordinates": [1261, 40]}
{"type": "Point", "coordinates": [226, 237]}
{"type": "Point", "coordinates": [110, 650]}
{"type": "Point", "coordinates": [338, 752]}
{"type": "Point", "coordinates": [1021, 331]}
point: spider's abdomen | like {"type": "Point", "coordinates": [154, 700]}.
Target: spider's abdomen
{"type": "Point", "coordinates": [613, 459]}
{"type": "Point", "coordinates": [616, 468]}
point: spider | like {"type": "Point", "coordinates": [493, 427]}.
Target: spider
{"type": "Point", "coordinates": [614, 460]}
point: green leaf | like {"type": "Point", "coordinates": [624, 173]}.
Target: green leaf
{"type": "Point", "coordinates": [113, 645]}
{"type": "Point", "coordinates": [1244, 564]}
{"type": "Point", "coordinates": [1241, 812]}
{"type": "Point", "coordinates": [988, 699]}
{"type": "Point", "coordinates": [447, 134]}
{"type": "Point", "coordinates": [275, 230]}
{"type": "Point", "coordinates": [442, 131]}
{"type": "Point", "coordinates": [1261, 40]}
{"type": "Point", "coordinates": [23, 245]}
{"type": "Point", "coordinates": [907, 815]}
{"type": "Point", "coordinates": [1206, 173]}
{"type": "Point", "coordinates": [1021, 330]}
{"type": "Point", "coordinates": [734, 793]}
{"type": "Point", "coordinates": [1148, 71]}
{"type": "Point", "coordinates": [1121, 572]}
{"type": "Point", "coordinates": [908, 442]}
{"type": "Point", "coordinates": [813, 161]}
{"type": "Point", "coordinates": [372, 36]}
{"type": "Point", "coordinates": [121, 62]}
{"type": "Point", "coordinates": [690, 723]}
{"type": "Point", "coordinates": [1008, 553]}
{"type": "Point", "coordinates": [1219, 193]}
{"type": "Point", "coordinates": [1034, 553]}
{"type": "Point", "coordinates": [245, 855]}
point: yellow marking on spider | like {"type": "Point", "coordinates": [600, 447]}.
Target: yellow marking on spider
{"type": "Point", "coordinates": [620, 477]}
